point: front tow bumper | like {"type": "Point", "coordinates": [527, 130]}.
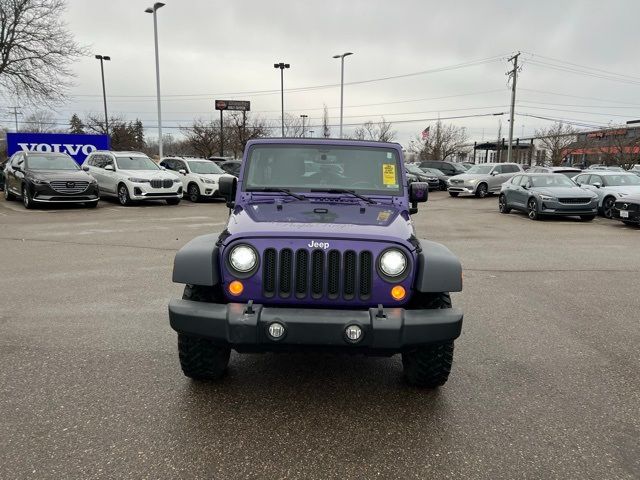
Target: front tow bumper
{"type": "Point", "coordinates": [389, 330]}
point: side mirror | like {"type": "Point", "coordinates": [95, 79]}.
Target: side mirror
{"type": "Point", "coordinates": [228, 187]}
{"type": "Point", "coordinates": [527, 186]}
{"type": "Point", "coordinates": [418, 193]}
{"type": "Point", "coordinates": [111, 168]}
{"type": "Point", "coordinates": [162, 168]}
{"type": "Point", "coordinates": [85, 168]}
{"type": "Point", "coordinates": [493, 173]}
{"type": "Point", "coordinates": [597, 184]}
{"type": "Point", "coordinates": [17, 168]}
{"type": "Point", "coordinates": [182, 171]}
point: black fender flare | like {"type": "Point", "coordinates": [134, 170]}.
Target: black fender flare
{"type": "Point", "coordinates": [197, 262]}
{"type": "Point", "coordinates": [438, 270]}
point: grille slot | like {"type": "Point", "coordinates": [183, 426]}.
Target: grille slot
{"type": "Point", "coordinates": [349, 288]}
{"type": "Point", "coordinates": [286, 262]}
{"type": "Point", "coordinates": [574, 201]}
{"type": "Point", "coordinates": [366, 265]}
{"type": "Point", "coordinates": [302, 273]}
{"type": "Point", "coordinates": [333, 277]}
{"type": "Point", "coordinates": [269, 272]}
{"type": "Point", "coordinates": [317, 273]}
{"type": "Point", "coordinates": [68, 187]}
{"type": "Point", "coordinates": [161, 183]}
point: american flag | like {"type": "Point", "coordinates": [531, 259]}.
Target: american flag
{"type": "Point", "coordinates": [425, 133]}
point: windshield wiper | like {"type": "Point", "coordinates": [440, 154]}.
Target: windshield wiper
{"type": "Point", "coordinates": [280, 190]}
{"type": "Point", "coordinates": [344, 190]}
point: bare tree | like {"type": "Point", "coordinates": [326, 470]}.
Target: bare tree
{"type": "Point", "coordinates": [245, 127]}
{"type": "Point", "coordinates": [292, 126]}
{"type": "Point", "coordinates": [36, 49]}
{"type": "Point", "coordinates": [555, 139]}
{"type": "Point", "coordinates": [203, 136]}
{"type": "Point", "coordinates": [380, 131]}
{"type": "Point", "coordinates": [443, 140]}
{"type": "Point", "coordinates": [39, 121]}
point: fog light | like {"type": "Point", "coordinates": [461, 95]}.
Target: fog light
{"type": "Point", "coordinates": [276, 330]}
{"type": "Point", "coordinates": [353, 333]}
{"type": "Point", "coordinates": [236, 288]}
{"type": "Point", "coordinates": [398, 292]}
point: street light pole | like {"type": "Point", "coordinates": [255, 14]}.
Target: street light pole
{"type": "Point", "coordinates": [153, 10]}
{"type": "Point", "coordinates": [303, 119]}
{"type": "Point", "coordinates": [282, 66]}
{"type": "Point", "coordinates": [341, 57]}
{"type": "Point", "coordinates": [104, 91]}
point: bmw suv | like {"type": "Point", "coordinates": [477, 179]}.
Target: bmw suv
{"type": "Point", "coordinates": [132, 176]}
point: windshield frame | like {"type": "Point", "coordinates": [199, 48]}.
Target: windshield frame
{"type": "Point", "coordinates": [317, 189]}
{"type": "Point", "coordinates": [30, 157]}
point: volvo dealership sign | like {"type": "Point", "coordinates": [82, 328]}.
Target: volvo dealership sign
{"type": "Point", "coordinates": [76, 145]}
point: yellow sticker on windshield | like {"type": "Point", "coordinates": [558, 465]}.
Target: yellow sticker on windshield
{"type": "Point", "coordinates": [389, 174]}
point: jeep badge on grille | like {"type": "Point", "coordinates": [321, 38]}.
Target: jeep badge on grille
{"type": "Point", "coordinates": [314, 244]}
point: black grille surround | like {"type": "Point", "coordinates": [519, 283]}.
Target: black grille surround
{"type": "Point", "coordinates": [628, 206]}
{"type": "Point", "coordinates": [317, 274]}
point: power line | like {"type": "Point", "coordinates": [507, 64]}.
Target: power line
{"type": "Point", "coordinates": [577, 96]}
{"type": "Point", "coordinates": [564, 62]}
{"type": "Point", "coordinates": [471, 63]}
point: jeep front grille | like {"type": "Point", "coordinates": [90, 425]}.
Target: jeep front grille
{"type": "Point", "coordinates": [317, 274]}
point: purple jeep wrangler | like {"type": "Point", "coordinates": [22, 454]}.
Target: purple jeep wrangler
{"type": "Point", "coordinates": [319, 253]}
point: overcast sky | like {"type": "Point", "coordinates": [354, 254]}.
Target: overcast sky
{"type": "Point", "coordinates": [226, 49]}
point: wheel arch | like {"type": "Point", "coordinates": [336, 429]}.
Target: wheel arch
{"type": "Point", "coordinates": [196, 262]}
{"type": "Point", "coordinates": [439, 270]}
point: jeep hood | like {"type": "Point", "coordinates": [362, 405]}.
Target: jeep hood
{"type": "Point", "coordinates": [320, 221]}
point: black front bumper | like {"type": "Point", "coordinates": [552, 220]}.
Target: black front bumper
{"type": "Point", "coordinates": [631, 215]}
{"type": "Point", "coordinates": [389, 330]}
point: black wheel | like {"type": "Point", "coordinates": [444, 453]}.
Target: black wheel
{"type": "Point", "coordinates": [443, 186]}
{"type": "Point", "coordinates": [7, 194]}
{"type": "Point", "coordinates": [173, 201]}
{"type": "Point", "coordinates": [193, 192]}
{"type": "Point", "coordinates": [200, 358]}
{"type": "Point", "coordinates": [91, 204]}
{"type": "Point", "coordinates": [532, 209]}
{"type": "Point", "coordinates": [482, 190]}
{"type": "Point", "coordinates": [587, 218]}
{"type": "Point", "coordinates": [454, 194]}
{"type": "Point", "coordinates": [429, 365]}
{"type": "Point", "coordinates": [123, 195]}
{"type": "Point", "coordinates": [27, 200]}
{"type": "Point", "coordinates": [607, 207]}
{"type": "Point", "coordinates": [502, 204]}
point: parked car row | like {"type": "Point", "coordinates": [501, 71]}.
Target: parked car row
{"type": "Point", "coordinates": [46, 177]}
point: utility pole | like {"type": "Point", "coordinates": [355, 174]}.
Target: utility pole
{"type": "Point", "coordinates": [15, 114]}
{"type": "Point", "coordinates": [513, 74]}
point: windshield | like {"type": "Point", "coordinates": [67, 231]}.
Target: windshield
{"type": "Point", "coordinates": [51, 162]}
{"type": "Point", "coordinates": [313, 167]}
{"type": "Point", "coordinates": [621, 180]}
{"type": "Point", "coordinates": [551, 181]}
{"type": "Point", "coordinates": [479, 169]}
{"type": "Point", "coordinates": [205, 167]}
{"type": "Point", "coordinates": [136, 163]}
{"type": "Point", "coordinates": [435, 171]}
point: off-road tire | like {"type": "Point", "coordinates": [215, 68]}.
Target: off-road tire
{"type": "Point", "coordinates": [587, 218]}
{"type": "Point", "coordinates": [454, 194]}
{"type": "Point", "coordinates": [482, 190]}
{"type": "Point", "coordinates": [502, 204]}
{"type": "Point", "coordinates": [173, 201]}
{"type": "Point", "coordinates": [200, 358]}
{"type": "Point", "coordinates": [428, 366]}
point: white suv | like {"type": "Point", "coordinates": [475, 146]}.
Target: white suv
{"type": "Point", "coordinates": [131, 176]}
{"type": "Point", "coordinates": [200, 178]}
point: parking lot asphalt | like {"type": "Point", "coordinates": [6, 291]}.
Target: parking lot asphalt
{"type": "Point", "coordinates": [545, 383]}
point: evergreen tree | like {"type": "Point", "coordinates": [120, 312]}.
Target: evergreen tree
{"type": "Point", "coordinates": [76, 125]}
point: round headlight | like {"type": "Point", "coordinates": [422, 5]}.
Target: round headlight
{"type": "Point", "coordinates": [243, 258]}
{"type": "Point", "coordinates": [393, 263]}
